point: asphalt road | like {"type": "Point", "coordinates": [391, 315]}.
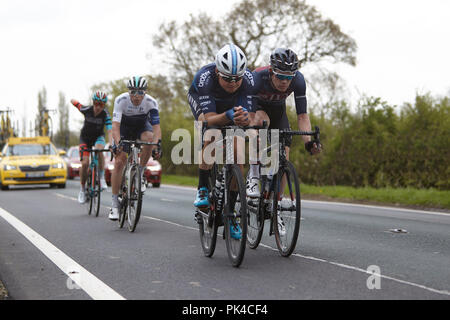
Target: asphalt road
{"type": "Point", "coordinates": [163, 259]}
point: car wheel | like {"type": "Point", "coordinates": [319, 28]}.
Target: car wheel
{"type": "Point", "coordinates": [4, 188]}
{"type": "Point", "coordinates": [156, 185]}
{"type": "Point", "coordinates": [61, 186]}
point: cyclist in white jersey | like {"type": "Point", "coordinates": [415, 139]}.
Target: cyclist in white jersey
{"type": "Point", "coordinates": [135, 116]}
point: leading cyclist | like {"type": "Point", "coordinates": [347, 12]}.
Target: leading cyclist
{"type": "Point", "coordinates": [221, 93]}
{"type": "Point", "coordinates": [135, 116]}
{"type": "Point", "coordinates": [96, 117]}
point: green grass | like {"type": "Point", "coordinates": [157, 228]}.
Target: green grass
{"type": "Point", "coordinates": [402, 196]}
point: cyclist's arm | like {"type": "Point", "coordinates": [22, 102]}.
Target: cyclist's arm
{"type": "Point", "coordinates": [76, 104]}
{"type": "Point", "coordinates": [215, 119]}
{"type": "Point", "coordinates": [304, 124]}
{"type": "Point", "coordinates": [108, 125]}
{"type": "Point", "coordinates": [156, 133]}
{"type": "Point", "coordinates": [115, 132]}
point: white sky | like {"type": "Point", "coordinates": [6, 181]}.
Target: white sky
{"type": "Point", "coordinates": [403, 46]}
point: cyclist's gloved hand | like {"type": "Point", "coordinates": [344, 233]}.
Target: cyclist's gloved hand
{"type": "Point", "coordinates": [115, 148]}
{"type": "Point", "coordinates": [157, 152]}
{"type": "Point", "coordinates": [313, 147]}
{"type": "Point", "coordinates": [230, 114]}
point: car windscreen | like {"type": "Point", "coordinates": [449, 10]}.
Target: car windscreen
{"type": "Point", "coordinates": [30, 150]}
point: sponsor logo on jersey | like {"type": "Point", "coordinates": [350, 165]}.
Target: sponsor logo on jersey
{"type": "Point", "coordinates": [250, 77]}
{"type": "Point", "coordinates": [203, 78]}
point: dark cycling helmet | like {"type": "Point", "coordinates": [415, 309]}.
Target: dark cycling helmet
{"type": "Point", "coordinates": [284, 60]}
{"type": "Point", "coordinates": [137, 83]}
{"type": "Point", "coordinates": [100, 96]}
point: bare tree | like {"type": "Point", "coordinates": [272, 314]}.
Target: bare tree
{"type": "Point", "coordinates": [257, 27]}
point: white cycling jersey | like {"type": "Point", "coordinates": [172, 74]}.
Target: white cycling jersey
{"type": "Point", "coordinates": [126, 113]}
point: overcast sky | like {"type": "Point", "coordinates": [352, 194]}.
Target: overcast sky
{"type": "Point", "coordinates": [403, 46]}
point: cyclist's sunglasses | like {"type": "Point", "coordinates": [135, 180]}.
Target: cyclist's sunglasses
{"type": "Point", "coordinates": [100, 103]}
{"type": "Point", "coordinates": [230, 78]}
{"type": "Point", "coordinates": [284, 76]}
{"type": "Point", "coordinates": [137, 92]}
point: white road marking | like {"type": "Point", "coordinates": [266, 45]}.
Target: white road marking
{"type": "Point", "coordinates": [93, 286]}
{"type": "Point", "coordinates": [444, 292]}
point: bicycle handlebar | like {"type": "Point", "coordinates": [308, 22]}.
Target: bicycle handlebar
{"type": "Point", "coordinates": [206, 127]}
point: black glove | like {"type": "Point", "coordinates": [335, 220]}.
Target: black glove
{"type": "Point", "coordinates": [158, 150]}
{"type": "Point", "coordinates": [309, 145]}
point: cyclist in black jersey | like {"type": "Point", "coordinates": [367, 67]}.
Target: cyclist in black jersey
{"type": "Point", "coordinates": [96, 117]}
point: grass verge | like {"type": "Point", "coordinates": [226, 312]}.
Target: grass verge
{"type": "Point", "coordinates": [409, 197]}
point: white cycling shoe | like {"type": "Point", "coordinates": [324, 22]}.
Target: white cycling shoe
{"type": "Point", "coordinates": [103, 184]}
{"type": "Point", "coordinates": [143, 184]}
{"type": "Point", "coordinates": [82, 197]}
{"type": "Point", "coordinates": [114, 214]}
{"type": "Point", "coordinates": [253, 188]}
{"type": "Point", "coordinates": [281, 226]}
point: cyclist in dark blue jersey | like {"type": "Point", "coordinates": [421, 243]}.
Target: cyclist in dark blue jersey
{"type": "Point", "coordinates": [273, 84]}
{"type": "Point", "coordinates": [222, 94]}
{"type": "Point", "coordinates": [96, 117]}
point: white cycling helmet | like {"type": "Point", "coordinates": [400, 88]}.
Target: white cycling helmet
{"type": "Point", "coordinates": [231, 60]}
{"type": "Point", "coordinates": [137, 82]}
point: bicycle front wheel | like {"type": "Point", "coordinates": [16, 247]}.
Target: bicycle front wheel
{"type": "Point", "coordinates": [134, 198]}
{"type": "Point", "coordinates": [96, 193]}
{"type": "Point", "coordinates": [235, 216]}
{"type": "Point", "coordinates": [255, 218]}
{"type": "Point", "coordinates": [88, 189]}
{"type": "Point", "coordinates": [208, 221]}
{"type": "Point", "coordinates": [286, 209]}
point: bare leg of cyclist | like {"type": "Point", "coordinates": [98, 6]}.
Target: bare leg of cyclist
{"type": "Point", "coordinates": [146, 152]}
{"type": "Point", "coordinates": [101, 166]}
{"type": "Point", "coordinates": [116, 180]}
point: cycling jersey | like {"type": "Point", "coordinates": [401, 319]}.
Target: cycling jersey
{"type": "Point", "coordinates": [130, 115]}
{"type": "Point", "coordinates": [134, 120]}
{"type": "Point", "coordinates": [269, 97]}
{"type": "Point", "coordinates": [93, 125]}
{"type": "Point", "coordinates": [207, 95]}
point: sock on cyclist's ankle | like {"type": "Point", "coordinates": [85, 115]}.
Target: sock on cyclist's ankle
{"type": "Point", "coordinates": [203, 177]}
{"type": "Point", "coordinates": [115, 200]}
{"type": "Point", "coordinates": [82, 187]}
{"type": "Point", "coordinates": [254, 171]}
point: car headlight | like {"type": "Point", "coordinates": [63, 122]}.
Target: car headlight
{"type": "Point", "coordinates": [9, 167]}
{"type": "Point", "coordinates": [76, 165]}
{"type": "Point", "coordinates": [110, 167]}
{"type": "Point", "coordinates": [154, 168]}
{"type": "Point", "coordinates": [58, 165]}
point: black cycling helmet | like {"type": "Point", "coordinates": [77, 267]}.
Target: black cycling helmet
{"type": "Point", "coordinates": [284, 60]}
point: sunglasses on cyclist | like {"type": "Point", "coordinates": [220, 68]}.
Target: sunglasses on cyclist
{"type": "Point", "coordinates": [282, 76]}
{"type": "Point", "coordinates": [137, 92]}
{"type": "Point", "coordinates": [99, 103]}
{"type": "Point", "coordinates": [230, 78]}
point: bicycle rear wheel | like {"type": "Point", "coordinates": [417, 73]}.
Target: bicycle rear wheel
{"type": "Point", "coordinates": [286, 209]}
{"type": "Point", "coordinates": [208, 223]}
{"type": "Point", "coordinates": [134, 198]}
{"type": "Point", "coordinates": [235, 216]}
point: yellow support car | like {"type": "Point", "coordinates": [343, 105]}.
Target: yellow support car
{"type": "Point", "coordinates": [32, 161]}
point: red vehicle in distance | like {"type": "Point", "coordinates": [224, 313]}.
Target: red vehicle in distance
{"type": "Point", "coordinates": [72, 159]}
{"type": "Point", "coordinates": [153, 171]}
